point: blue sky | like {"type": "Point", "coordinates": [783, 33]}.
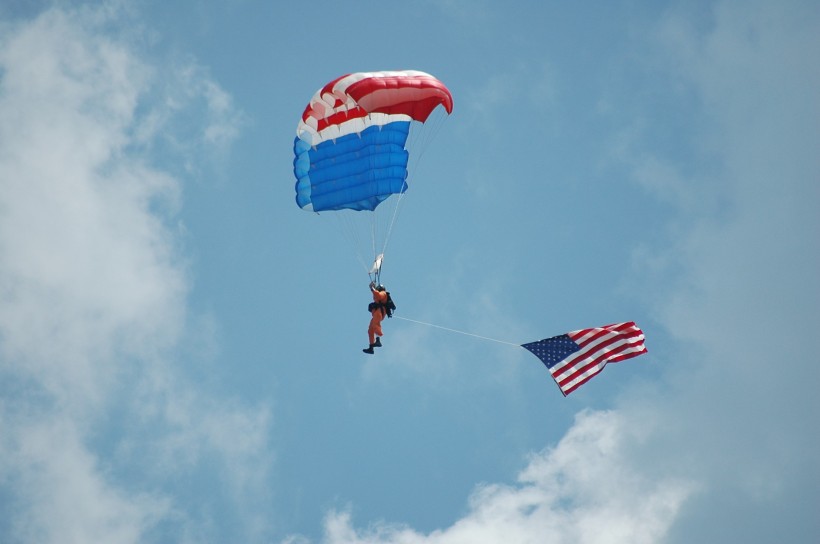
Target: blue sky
{"type": "Point", "coordinates": [180, 345]}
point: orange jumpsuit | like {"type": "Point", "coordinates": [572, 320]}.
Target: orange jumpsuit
{"type": "Point", "coordinates": [377, 315]}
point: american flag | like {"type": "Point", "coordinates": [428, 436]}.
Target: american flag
{"type": "Point", "coordinates": [575, 357]}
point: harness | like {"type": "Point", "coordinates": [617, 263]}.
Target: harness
{"type": "Point", "coordinates": [387, 307]}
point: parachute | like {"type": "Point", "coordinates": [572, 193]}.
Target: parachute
{"type": "Point", "coordinates": [353, 145]}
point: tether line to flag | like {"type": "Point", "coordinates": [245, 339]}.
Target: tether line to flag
{"type": "Point", "coordinates": [459, 332]}
{"type": "Point", "coordinates": [575, 357]}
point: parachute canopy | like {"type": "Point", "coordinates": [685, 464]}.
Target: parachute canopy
{"type": "Point", "coordinates": [350, 148]}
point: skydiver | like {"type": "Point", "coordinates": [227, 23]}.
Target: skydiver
{"type": "Point", "coordinates": [378, 309]}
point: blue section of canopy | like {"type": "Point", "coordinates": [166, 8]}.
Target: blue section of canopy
{"type": "Point", "coordinates": [356, 171]}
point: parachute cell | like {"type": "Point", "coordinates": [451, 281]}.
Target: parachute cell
{"type": "Point", "coordinates": [350, 150]}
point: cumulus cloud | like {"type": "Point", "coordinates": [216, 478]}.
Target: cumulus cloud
{"type": "Point", "coordinates": [83, 263]}
{"type": "Point", "coordinates": [588, 489]}
{"type": "Point", "coordinates": [67, 497]}
{"type": "Point", "coordinates": [93, 291]}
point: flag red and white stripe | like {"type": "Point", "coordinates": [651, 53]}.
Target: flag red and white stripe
{"type": "Point", "coordinates": [577, 356]}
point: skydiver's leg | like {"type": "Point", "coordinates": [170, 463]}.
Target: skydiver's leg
{"type": "Point", "coordinates": [374, 329]}
{"type": "Point", "coordinates": [371, 335]}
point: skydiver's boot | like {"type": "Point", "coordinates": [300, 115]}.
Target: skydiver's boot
{"type": "Point", "coordinates": [378, 343]}
{"type": "Point", "coordinates": [370, 349]}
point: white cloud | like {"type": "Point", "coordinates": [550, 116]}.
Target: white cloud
{"type": "Point", "coordinates": [530, 90]}
{"type": "Point", "coordinates": [750, 266]}
{"type": "Point", "coordinates": [62, 491]}
{"type": "Point", "coordinates": [93, 295]}
{"type": "Point", "coordinates": [744, 306]}
{"type": "Point", "coordinates": [588, 489]}
{"type": "Point", "coordinates": [192, 116]}
{"type": "Point", "coordinates": [85, 265]}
